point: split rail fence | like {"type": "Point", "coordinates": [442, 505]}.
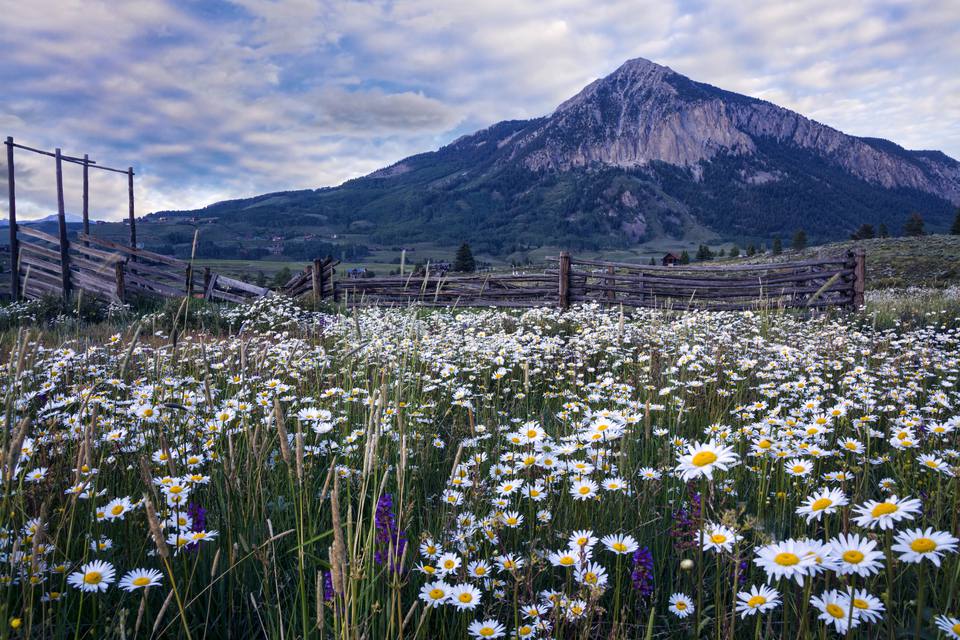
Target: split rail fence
{"type": "Point", "coordinates": [825, 282]}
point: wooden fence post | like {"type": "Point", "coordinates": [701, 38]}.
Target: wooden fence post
{"type": "Point", "coordinates": [321, 266]}
{"type": "Point", "coordinates": [86, 197]}
{"type": "Point", "coordinates": [859, 276]}
{"type": "Point", "coordinates": [62, 224]}
{"type": "Point", "coordinates": [118, 272]}
{"type": "Point", "coordinates": [14, 242]}
{"type": "Point", "coordinates": [564, 288]}
{"type": "Point", "coordinates": [133, 220]}
{"type": "Point", "coordinates": [315, 283]}
{"type": "Point", "coordinates": [611, 295]}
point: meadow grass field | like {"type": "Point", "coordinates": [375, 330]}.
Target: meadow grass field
{"type": "Point", "coordinates": [277, 472]}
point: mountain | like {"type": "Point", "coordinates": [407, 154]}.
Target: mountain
{"type": "Point", "coordinates": [640, 154]}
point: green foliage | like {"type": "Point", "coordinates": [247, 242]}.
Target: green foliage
{"type": "Point", "coordinates": [735, 251]}
{"type": "Point", "coordinates": [777, 246]}
{"type": "Point", "coordinates": [913, 227]}
{"type": "Point", "coordinates": [865, 232]}
{"type": "Point", "coordinates": [955, 228]}
{"type": "Point", "coordinates": [684, 257]}
{"type": "Point", "coordinates": [799, 240]}
{"type": "Point", "coordinates": [704, 253]}
{"type": "Point", "coordinates": [464, 262]}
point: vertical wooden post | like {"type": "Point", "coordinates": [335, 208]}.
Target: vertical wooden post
{"type": "Point", "coordinates": [133, 220]}
{"type": "Point", "coordinates": [321, 275]}
{"type": "Point", "coordinates": [564, 289]}
{"type": "Point", "coordinates": [86, 196]}
{"type": "Point", "coordinates": [611, 295]}
{"type": "Point", "coordinates": [14, 242]}
{"type": "Point", "coordinates": [118, 271]}
{"type": "Point", "coordinates": [859, 276]}
{"type": "Point", "coordinates": [206, 278]}
{"type": "Point", "coordinates": [315, 281]}
{"type": "Point", "coordinates": [62, 224]}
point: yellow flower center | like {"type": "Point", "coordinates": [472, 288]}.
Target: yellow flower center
{"type": "Point", "coordinates": [799, 468]}
{"type": "Point", "coordinates": [786, 559]}
{"type": "Point", "coordinates": [923, 545]}
{"type": "Point", "coordinates": [486, 632]}
{"type": "Point", "coordinates": [860, 604]}
{"type": "Point", "coordinates": [619, 546]}
{"type": "Point", "coordinates": [142, 581]}
{"type": "Point", "coordinates": [820, 504]}
{"type": "Point", "coordinates": [704, 458]}
{"type": "Point", "coordinates": [853, 556]}
{"type": "Point", "coordinates": [956, 628]}
{"type": "Point", "coordinates": [590, 578]}
{"type": "Point", "coordinates": [566, 561]}
{"type": "Point", "coordinates": [92, 577]}
{"type": "Point", "coordinates": [681, 606]}
{"type": "Point", "coordinates": [718, 538]}
{"type": "Point", "coordinates": [436, 594]}
{"type": "Point", "coordinates": [117, 510]}
{"type": "Point", "coordinates": [465, 597]}
{"type": "Point", "coordinates": [835, 611]}
{"type": "Point", "coordinates": [883, 509]}
{"type": "Point", "coordinates": [584, 490]}
{"type": "Point", "coordinates": [756, 601]}
{"type": "Point", "coordinates": [764, 444]}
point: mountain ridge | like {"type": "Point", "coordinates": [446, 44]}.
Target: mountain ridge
{"type": "Point", "coordinates": [642, 153]}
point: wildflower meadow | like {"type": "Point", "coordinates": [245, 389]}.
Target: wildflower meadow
{"type": "Point", "coordinates": [404, 473]}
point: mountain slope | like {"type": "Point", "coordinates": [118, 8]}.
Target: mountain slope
{"type": "Point", "coordinates": [642, 153]}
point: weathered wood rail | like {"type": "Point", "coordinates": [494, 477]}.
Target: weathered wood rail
{"type": "Point", "coordinates": [826, 282]}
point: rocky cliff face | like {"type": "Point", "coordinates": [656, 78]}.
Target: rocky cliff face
{"type": "Point", "coordinates": [645, 112]}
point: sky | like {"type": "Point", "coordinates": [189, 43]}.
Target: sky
{"type": "Point", "coordinates": [210, 100]}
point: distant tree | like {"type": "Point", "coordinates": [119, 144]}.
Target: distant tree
{"type": "Point", "coordinates": [261, 280]}
{"type": "Point", "coordinates": [882, 231]}
{"type": "Point", "coordinates": [464, 262]}
{"type": "Point", "coordinates": [652, 262]}
{"type": "Point", "coordinates": [704, 253]}
{"type": "Point", "coordinates": [865, 232]}
{"type": "Point", "coordinates": [913, 227]}
{"type": "Point", "coordinates": [684, 257]}
{"type": "Point", "coordinates": [751, 250]}
{"type": "Point", "coordinates": [735, 251]}
{"type": "Point", "coordinates": [777, 246]}
{"type": "Point", "coordinates": [722, 253]}
{"type": "Point", "coordinates": [955, 229]}
{"type": "Point", "coordinates": [282, 277]}
{"type": "Point", "coordinates": [799, 240]}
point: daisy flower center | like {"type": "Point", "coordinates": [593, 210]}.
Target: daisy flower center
{"type": "Point", "coordinates": [486, 632]}
{"type": "Point", "coordinates": [718, 538]}
{"type": "Point", "coordinates": [436, 594]}
{"type": "Point", "coordinates": [681, 606]}
{"type": "Point", "coordinates": [466, 597]}
{"type": "Point", "coordinates": [835, 610]}
{"type": "Point", "coordinates": [883, 509]}
{"type": "Point", "coordinates": [853, 556]}
{"type": "Point", "coordinates": [821, 503]}
{"type": "Point", "coordinates": [566, 560]}
{"type": "Point", "coordinates": [92, 577]}
{"type": "Point", "coordinates": [704, 458]}
{"type": "Point", "coordinates": [860, 604]}
{"type": "Point", "coordinates": [619, 546]}
{"type": "Point", "coordinates": [786, 559]}
{"type": "Point", "coordinates": [117, 510]}
{"type": "Point", "coordinates": [923, 545]}
{"type": "Point", "coordinates": [756, 601]}
{"type": "Point", "coordinates": [142, 581]}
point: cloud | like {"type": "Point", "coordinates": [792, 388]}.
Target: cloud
{"type": "Point", "coordinates": [218, 99]}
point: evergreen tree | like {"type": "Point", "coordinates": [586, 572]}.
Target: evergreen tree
{"type": "Point", "coordinates": [652, 261]}
{"type": "Point", "coordinates": [684, 257]}
{"type": "Point", "coordinates": [777, 246]}
{"type": "Point", "coordinates": [735, 251]}
{"type": "Point", "coordinates": [913, 227]}
{"type": "Point", "coordinates": [882, 231]}
{"type": "Point", "coordinates": [464, 261]}
{"type": "Point", "coordinates": [865, 232]}
{"type": "Point", "coordinates": [722, 252]}
{"type": "Point", "coordinates": [751, 250]}
{"type": "Point", "coordinates": [799, 240]}
{"type": "Point", "coordinates": [955, 229]}
{"type": "Point", "coordinates": [704, 253]}
{"type": "Point", "coordinates": [282, 277]}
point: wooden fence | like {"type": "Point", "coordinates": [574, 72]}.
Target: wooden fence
{"type": "Point", "coordinates": [825, 282]}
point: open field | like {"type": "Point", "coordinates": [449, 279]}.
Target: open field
{"type": "Point", "coordinates": [266, 471]}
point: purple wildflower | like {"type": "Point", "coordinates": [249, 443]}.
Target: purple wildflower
{"type": "Point", "coordinates": [642, 574]}
{"type": "Point", "coordinates": [388, 535]}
